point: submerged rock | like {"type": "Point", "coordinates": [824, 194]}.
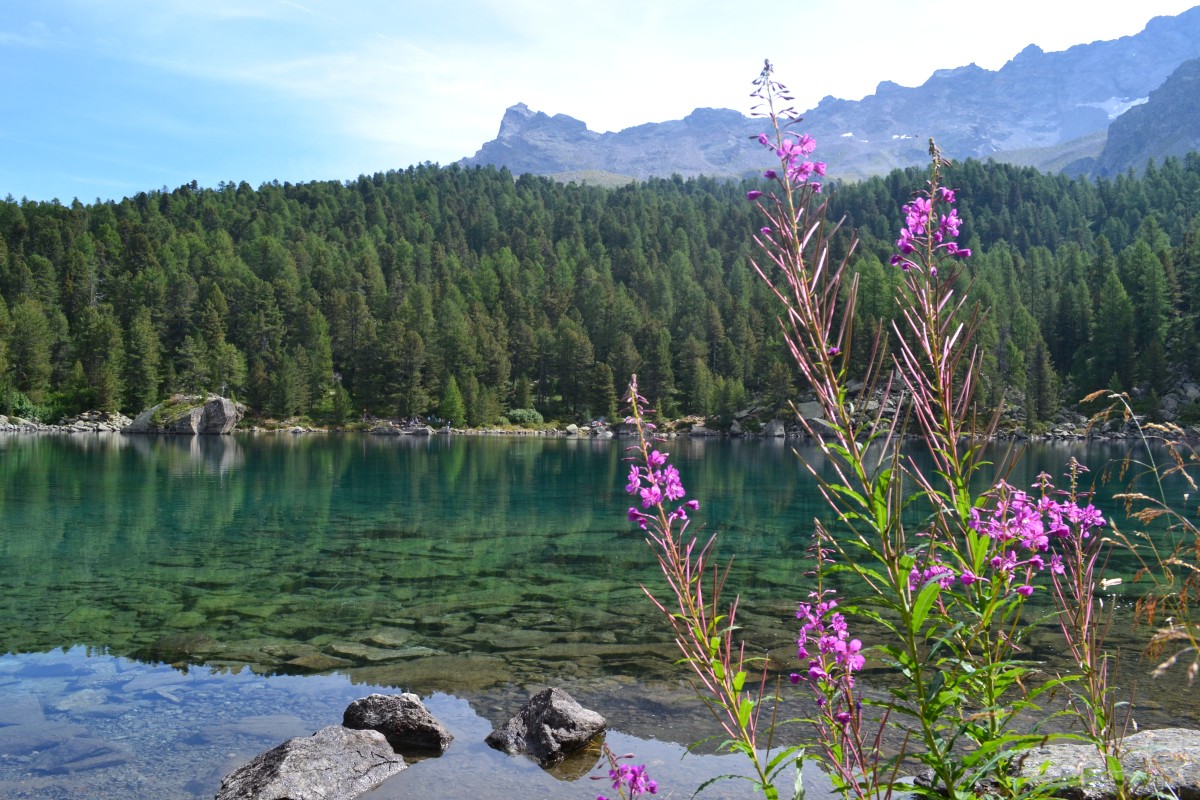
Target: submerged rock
{"type": "Point", "coordinates": [79, 754]}
{"type": "Point", "coordinates": [402, 718]}
{"type": "Point", "coordinates": [335, 763]}
{"type": "Point", "coordinates": [550, 725]}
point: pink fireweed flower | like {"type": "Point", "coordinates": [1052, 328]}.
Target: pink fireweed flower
{"type": "Point", "coordinates": [753, 195]}
{"type": "Point", "coordinates": [847, 654]}
{"type": "Point", "coordinates": [651, 496]}
{"type": "Point", "coordinates": [656, 482]}
{"type": "Point", "coordinates": [638, 517]}
{"type": "Point", "coordinates": [929, 233]}
{"type": "Point", "coordinates": [935, 572]}
{"type": "Point", "coordinates": [837, 656]}
{"type": "Point", "coordinates": [635, 480]}
{"type": "Point", "coordinates": [798, 149]}
{"type": "Point", "coordinates": [674, 489]}
{"type": "Point", "coordinates": [625, 775]}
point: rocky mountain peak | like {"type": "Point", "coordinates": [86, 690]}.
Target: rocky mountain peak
{"type": "Point", "coordinates": [1039, 106]}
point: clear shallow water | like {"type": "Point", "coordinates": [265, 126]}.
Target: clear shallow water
{"type": "Point", "coordinates": [191, 602]}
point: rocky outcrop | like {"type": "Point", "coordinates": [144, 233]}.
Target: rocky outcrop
{"type": "Point", "coordinates": [402, 719]}
{"type": "Point", "coordinates": [189, 415]}
{"type": "Point", "coordinates": [87, 422]}
{"type": "Point", "coordinates": [1168, 124]}
{"type": "Point", "coordinates": [335, 763]}
{"type": "Point", "coordinates": [95, 422]}
{"type": "Point", "coordinates": [548, 727]}
{"type": "Point", "coordinates": [1160, 763]}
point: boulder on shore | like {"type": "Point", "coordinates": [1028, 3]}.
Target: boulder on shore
{"type": "Point", "coordinates": [335, 763]}
{"type": "Point", "coordinates": [189, 415]}
{"type": "Point", "coordinates": [1160, 763]}
{"type": "Point", "coordinates": [548, 727]}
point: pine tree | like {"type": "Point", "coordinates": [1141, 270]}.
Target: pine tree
{"type": "Point", "coordinates": [29, 350]}
{"type": "Point", "coordinates": [142, 360]}
{"type": "Point", "coordinates": [602, 395]}
{"type": "Point", "coordinates": [1114, 337]}
{"type": "Point", "coordinates": [451, 409]}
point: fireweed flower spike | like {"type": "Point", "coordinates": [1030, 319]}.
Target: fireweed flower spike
{"type": "Point", "coordinates": [949, 596]}
{"type": "Point", "coordinates": [930, 227]}
{"type": "Point", "coordinates": [703, 629]}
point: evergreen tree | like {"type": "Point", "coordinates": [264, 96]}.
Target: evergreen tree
{"type": "Point", "coordinates": [451, 409]}
{"type": "Point", "coordinates": [602, 395]}
{"type": "Point", "coordinates": [141, 363]}
{"type": "Point", "coordinates": [1114, 338]}
{"type": "Point", "coordinates": [30, 350]}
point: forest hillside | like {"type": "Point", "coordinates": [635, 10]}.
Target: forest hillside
{"type": "Point", "coordinates": [395, 292]}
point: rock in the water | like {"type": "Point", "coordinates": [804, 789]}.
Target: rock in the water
{"type": "Point", "coordinates": [550, 725]}
{"type": "Point", "coordinates": [402, 718]}
{"type": "Point", "coordinates": [335, 763]}
{"type": "Point", "coordinates": [188, 416]}
{"type": "Point", "coordinates": [1162, 763]}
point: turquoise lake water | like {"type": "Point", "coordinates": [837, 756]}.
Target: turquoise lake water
{"type": "Point", "coordinates": [170, 607]}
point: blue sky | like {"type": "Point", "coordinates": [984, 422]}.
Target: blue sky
{"type": "Point", "coordinates": [107, 98]}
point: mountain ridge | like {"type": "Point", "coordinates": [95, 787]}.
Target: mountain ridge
{"type": "Point", "coordinates": [1036, 102]}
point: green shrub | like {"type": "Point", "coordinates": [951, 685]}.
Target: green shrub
{"type": "Point", "coordinates": [525, 417]}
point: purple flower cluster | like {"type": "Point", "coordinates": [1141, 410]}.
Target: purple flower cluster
{"type": "Point", "coordinates": [794, 157]}
{"type": "Point", "coordinates": [632, 776]}
{"type": "Point", "coordinates": [837, 656]}
{"type": "Point", "coordinates": [939, 572]}
{"type": "Point", "coordinates": [1024, 529]}
{"type": "Point", "coordinates": [657, 483]}
{"type": "Point", "coordinates": [923, 226]}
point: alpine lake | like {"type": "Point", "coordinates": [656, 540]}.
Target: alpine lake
{"type": "Point", "coordinates": [171, 607]}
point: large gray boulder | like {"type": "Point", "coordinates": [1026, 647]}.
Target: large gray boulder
{"type": "Point", "coordinates": [335, 763]}
{"type": "Point", "coordinates": [402, 718]}
{"type": "Point", "coordinates": [548, 727]}
{"type": "Point", "coordinates": [1161, 763]}
{"type": "Point", "coordinates": [189, 415]}
{"type": "Point", "coordinates": [774, 429]}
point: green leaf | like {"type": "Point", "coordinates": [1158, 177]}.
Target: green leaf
{"type": "Point", "coordinates": [923, 604]}
{"type": "Point", "coordinates": [1115, 770]}
{"type": "Point", "coordinates": [739, 680]}
{"type": "Point", "coordinates": [744, 710]}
